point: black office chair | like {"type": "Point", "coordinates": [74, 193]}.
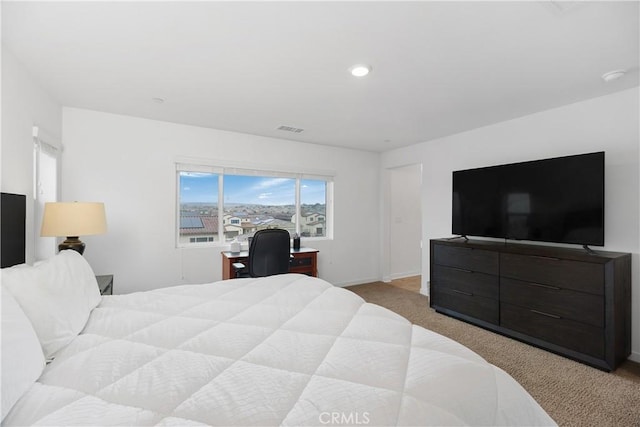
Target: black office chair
{"type": "Point", "coordinates": [269, 254]}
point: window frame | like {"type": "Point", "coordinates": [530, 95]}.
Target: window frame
{"type": "Point", "coordinates": [46, 186]}
{"type": "Point", "coordinates": [202, 166]}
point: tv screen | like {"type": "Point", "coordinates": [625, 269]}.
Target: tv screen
{"type": "Point", "coordinates": [13, 211]}
{"type": "Point", "coordinates": [553, 200]}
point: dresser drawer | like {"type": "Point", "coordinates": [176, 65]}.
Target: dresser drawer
{"type": "Point", "coordinates": [466, 281]}
{"type": "Point", "coordinates": [566, 274]}
{"type": "Point", "coordinates": [566, 333]}
{"type": "Point", "coordinates": [466, 258]}
{"type": "Point", "coordinates": [301, 262]}
{"type": "Point", "coordinates": [481, 308]}
{"type": "Point", "coordinates": [568, 304]}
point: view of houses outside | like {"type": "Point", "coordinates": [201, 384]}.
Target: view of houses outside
{"type": "Point", "coordinates": [251, 203]}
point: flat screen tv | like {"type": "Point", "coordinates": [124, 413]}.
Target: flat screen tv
{"type": "Point", "coordinates": [13, 211]}
{"type": "Point", "coordinates": [558, 200]}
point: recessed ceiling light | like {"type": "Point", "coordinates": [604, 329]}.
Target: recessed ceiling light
{"type": "Point", "coordinates": [158, 100]}
{"type": "Point", "coordinates": [360, 70]}
{"type": "Point", "coordinates": [613, 75]}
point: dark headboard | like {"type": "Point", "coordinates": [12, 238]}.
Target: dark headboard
{"type": "Point", "coordinates": [13, 211]}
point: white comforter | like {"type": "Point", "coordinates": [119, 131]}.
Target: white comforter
{"type": "Point", "coordinates": [284, 350]}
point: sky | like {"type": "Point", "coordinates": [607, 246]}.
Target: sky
{"type": "Point", "coordinates": [202, 188]}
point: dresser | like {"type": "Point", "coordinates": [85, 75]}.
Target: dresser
{"type": "Point", "coordinates": [563, 300]}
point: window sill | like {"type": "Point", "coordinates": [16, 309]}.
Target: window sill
{"type": "Point", "coordinates": [226, 245]}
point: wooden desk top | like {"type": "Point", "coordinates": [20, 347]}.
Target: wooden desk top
{"type": "Point", "coordinates": [244, 254]}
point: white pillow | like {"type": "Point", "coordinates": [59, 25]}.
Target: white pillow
{"type": "Point", "coordinates": [22, 358]}
{"type": "Point", "coordinates": [57, 295]}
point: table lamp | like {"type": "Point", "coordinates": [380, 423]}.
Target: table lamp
{"type": "Point", "coordinates": [71, 220]}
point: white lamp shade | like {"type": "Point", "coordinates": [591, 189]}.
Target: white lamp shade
{"type": "Point", "coordinates": [73, 219]}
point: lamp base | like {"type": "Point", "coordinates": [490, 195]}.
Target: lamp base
{"type": "Point", "coordinates": [72, 242]}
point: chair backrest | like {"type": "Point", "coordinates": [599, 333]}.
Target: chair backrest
{"type": "Point", "coordinates": [269, 252]}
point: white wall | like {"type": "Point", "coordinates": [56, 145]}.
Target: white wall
{"type": "Point", "coordinates": [24, 105]}
{"type": "Point", "coordinates": [129, 164]}
{"type": "Point", "coordinates": [609, 123]}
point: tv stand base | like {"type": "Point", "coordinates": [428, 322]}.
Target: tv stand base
{"type": "Point", "coordinates": [462, 236]}
{"type": "Point", "coordinates": [589, 250]}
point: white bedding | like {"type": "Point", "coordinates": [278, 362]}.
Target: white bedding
{"type": "Point", "coordinates": [283, 350]}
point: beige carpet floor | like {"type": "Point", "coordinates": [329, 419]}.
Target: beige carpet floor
{"type": "Point", "coordinates": [573, 394]}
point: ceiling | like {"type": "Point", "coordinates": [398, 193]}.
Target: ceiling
{"type": "Point", "coordinates": [439, 68]}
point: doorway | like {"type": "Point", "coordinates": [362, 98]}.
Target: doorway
{"type": "Point", "coordinates": [404, 224]}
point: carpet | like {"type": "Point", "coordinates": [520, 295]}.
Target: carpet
{"type": "Point", "coordinates": [572, 393]}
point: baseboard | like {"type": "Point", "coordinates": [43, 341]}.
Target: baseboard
{"type": "Point", "coordinates": [395, 276]}
{"type": "Point", "coordinates": [634, 357]}
{"type": "Point", "coordinates": [424, 290]}
{"type": "Point", "coordinates": [355, 282]}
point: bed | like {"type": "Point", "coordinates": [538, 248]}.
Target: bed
{"type": "Point", "coordinates": [287, 350]}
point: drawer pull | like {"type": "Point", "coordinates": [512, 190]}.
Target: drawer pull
{"type": "Point", "coordinates": [545, 257]}
{"type": "Point", "coordinates": [461, 269]}
{"type": "Point", "coordinates": [545, 314]}
{"type": "Point", "coordinates": [540, 285]}
{"type": "Point", "coordinates": [463, 293]}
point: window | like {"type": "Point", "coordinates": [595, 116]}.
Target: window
{"type": "Point", "coordinates": [313, 207]}
{"type": "Point", "coordinates": [221, 204]}
{"type": "Point", "coordinates": [262, 201]}
{"type": "Point", "coordinates": [45, 166]}
{"type": "Point", "coordinates": [200, 239]}
{"type": "Point", "coordinates": [198, 205]}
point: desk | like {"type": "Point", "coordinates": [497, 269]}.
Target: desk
{"type": "Point", "coordinates": [305, 261]}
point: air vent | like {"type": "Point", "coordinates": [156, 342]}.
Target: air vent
{"type": "Point", "coordinates": [290, 129]}
{"type": "Point", "coordinates": [564, 5]}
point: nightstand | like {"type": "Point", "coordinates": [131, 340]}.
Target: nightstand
{"type": "Point", "coordinates": [105, 284]}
